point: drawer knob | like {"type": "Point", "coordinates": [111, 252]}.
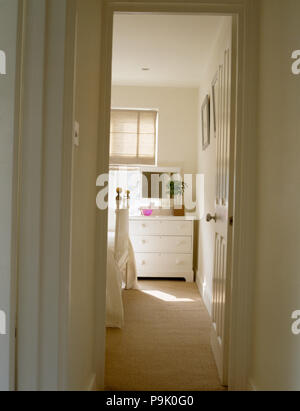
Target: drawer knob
{"type": "Point", "coordinates": [178, 262]}
{"type": "Point", "coordinates": [143, 262]}
{"type": "Point", "coordinates": [144, 241]}
{"type": "Point", "coordinates": [144, 225]}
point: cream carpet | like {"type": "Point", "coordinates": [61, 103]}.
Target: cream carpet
{"type": "Point", "coordinates": [165, 344]}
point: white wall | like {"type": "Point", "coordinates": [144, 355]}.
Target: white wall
{"type": "Point", "coordinates": [276, 356]}
{"type": "Point", "coordinates": [207, 166]}
{"type": "Point", "coordinates": [49, 306]}
{"type": "Point", "coordinates": [82, 321]}
{"type": "Point", "coordinates": [8, 44]}
{"type": "Point", "coordinates": [177, 133]}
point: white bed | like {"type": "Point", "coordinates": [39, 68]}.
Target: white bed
{"type": "Point", "coordinates": [121, 269]}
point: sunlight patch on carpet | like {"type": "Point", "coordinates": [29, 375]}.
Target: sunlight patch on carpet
{"type": "Point", "coordinates": [167, 297]}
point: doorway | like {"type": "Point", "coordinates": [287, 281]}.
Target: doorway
{"type": "Point", "coordinates": [242, 267]}
{"type": "Point", "coordinates": [159, 78]}
{"type": "Point", "coordinates": [244, 172]}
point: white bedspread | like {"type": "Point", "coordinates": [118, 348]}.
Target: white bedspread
{"type": "Point", "coordinates": [117, 279]}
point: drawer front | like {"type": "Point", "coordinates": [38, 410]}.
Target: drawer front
{"type": "Point", "coordinates": [161, 244]}
{"type": "Point", "coordinates": [162, 228]}
{"type": "Point", "coordinates": [163, 263]}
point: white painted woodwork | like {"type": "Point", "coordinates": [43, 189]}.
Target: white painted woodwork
{"type": "Point", "coordinates": [221, 297]}
{"type": "Point", "coordinates": [30, 201]}
{"type": "Point", "coordinates": [160, 251]}
{"type": "Point", "coordinates": [164, 244]}
{"type": "Point", "coordinates": [9, 147]}
{"type": "Point", "coordinates": [161, 227]}
{"type": "Point", "coordinates": [162, 264]}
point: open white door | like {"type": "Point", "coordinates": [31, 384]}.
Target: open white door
{"type": "Point", "coordinates": [222, 221]}
{"type": "Point", "coordinates": [8, 45]}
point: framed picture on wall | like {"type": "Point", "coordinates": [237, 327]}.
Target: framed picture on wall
{"type": "Point", "coordinates": [205, 117]}
{"type": "Point", "coordinates": [214, 102]}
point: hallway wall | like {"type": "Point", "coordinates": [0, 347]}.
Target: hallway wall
{"type": "Point", "coordinates": [82, 323]}
{"type": "Point", "coordinates": [49, 307]}
{"type": "Point", "coordinates": [276, 354]}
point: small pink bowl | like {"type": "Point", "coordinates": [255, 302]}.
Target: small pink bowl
{"type": "Point", "coordinates": [147, 213]}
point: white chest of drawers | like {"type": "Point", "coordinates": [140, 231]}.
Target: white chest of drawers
{"type": "Point", "coordinates": [163, 246]}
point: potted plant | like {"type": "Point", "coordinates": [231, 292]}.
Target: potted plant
{"type": "Point", "coordinates": [176, 190]}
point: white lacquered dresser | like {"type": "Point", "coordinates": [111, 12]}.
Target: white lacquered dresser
{"type": "Point", "coordinates": [163, 246]}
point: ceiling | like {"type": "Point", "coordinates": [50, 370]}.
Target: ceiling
{"type": "Point", "coordinates": [175, 48]}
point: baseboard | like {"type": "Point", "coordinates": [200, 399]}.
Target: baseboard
{"type": "Point", "coordinates": [199, 283]}
{"type": "Point", "coordinates": [251, 386]}
{"type": "Point", "coordinates": [204, 292]}
{"type": "Point", "coordinates": [92, 386]}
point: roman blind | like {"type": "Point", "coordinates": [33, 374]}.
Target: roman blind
{"type": "Point", "coordinates": [133, 137]}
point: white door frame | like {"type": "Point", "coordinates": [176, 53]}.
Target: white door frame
{"type": "Point", "coordinates": [245, 11]}
{"type": "Point", "coordinates": [46, 152]}
{"type": "Point", "coordinates": [42, 168]}
{"type": "Point", "coordinates": [15, 202]}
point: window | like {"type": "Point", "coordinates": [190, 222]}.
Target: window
{"type": "Point", "coordinates": [133, 137]}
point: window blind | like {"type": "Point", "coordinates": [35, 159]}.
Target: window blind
{"type": "Point", "coordinates": [133, 137]}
